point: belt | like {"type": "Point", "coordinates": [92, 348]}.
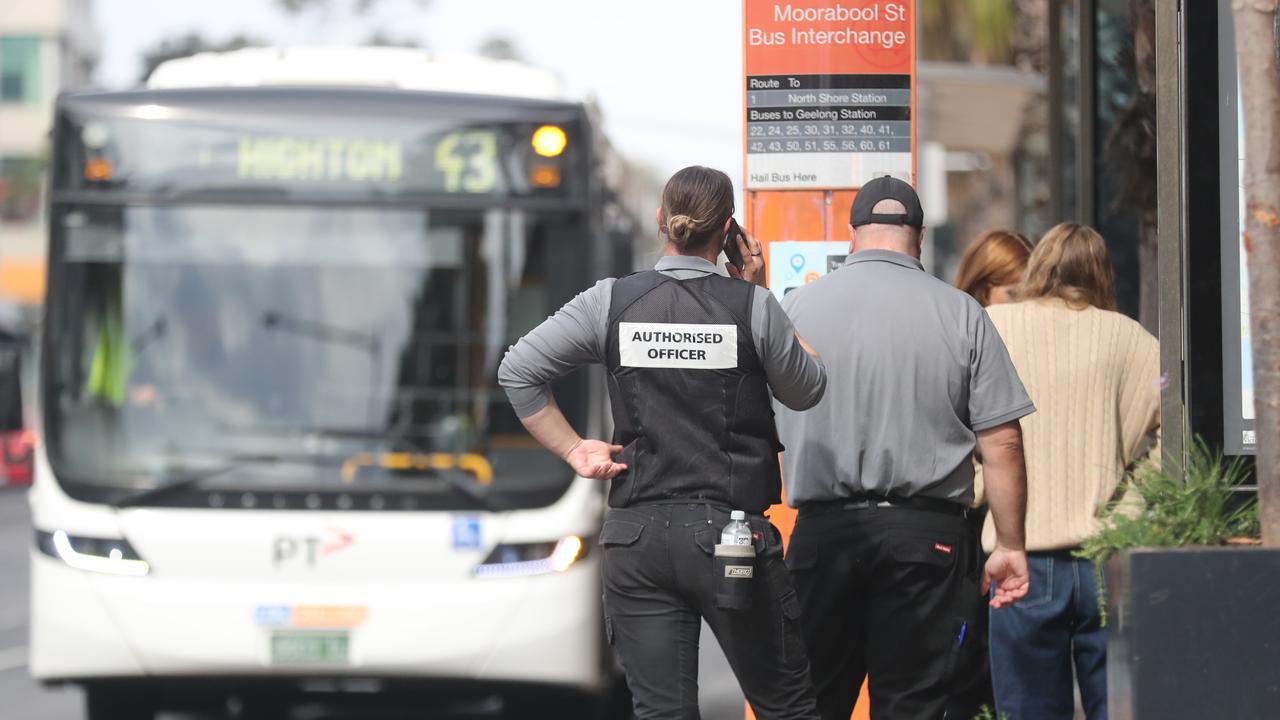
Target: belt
{"type": "Point", "coordinates": [865, 501]}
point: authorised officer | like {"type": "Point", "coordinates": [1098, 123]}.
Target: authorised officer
{"type": "Point", "coordinates": [882, 472]}
{"type": "Point", "coordinates": [692, 359]}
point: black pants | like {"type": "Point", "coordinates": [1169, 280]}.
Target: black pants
{"type": "Point", "coordinates": [883, 594]}
{"type": "Point", "coordinates": [658, 587]}
{"type": "Point", "coordinates": [973, 687]}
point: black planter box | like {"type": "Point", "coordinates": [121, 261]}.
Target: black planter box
{"type": "Point", "coordinates": [1194, 633]}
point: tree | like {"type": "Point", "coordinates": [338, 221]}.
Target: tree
{"type": "Point", "coordinates": [293, 7]}
{"type": "Point", "coordinates": [341, 12]}
{"type": "Point", "coordinates": [979, 31]}
{"type": "Point", "coordinates": [382, 38]}
{"type": "Point", "coordinates": [499, 48]}
{"type": "Point", "coordinates": [1256, 49]}
{"type": "Point", "coordinates": [187, 45]}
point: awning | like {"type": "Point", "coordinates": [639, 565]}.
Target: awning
{"type": "Point", "coordinates": [975, 107]}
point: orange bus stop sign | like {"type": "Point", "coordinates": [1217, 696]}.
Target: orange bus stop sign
{"type": "Point", "coordinates": [829, 102]}
{"type": "Point", "coordinates": [829, 92]}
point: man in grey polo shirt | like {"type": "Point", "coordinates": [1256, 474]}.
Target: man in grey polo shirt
{"type": "Point", "coordinates": [881, 469]}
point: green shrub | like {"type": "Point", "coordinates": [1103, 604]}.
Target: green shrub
{"type": "Point", "coordinates": [986, 713]}
{"type": "Point", "coordinates": [1201, 506]}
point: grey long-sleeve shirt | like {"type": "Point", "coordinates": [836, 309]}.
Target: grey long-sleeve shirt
{"type": "Point", "coordinates": [577, 335]}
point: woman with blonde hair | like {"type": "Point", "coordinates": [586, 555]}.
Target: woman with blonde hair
{"type": "Point", "coordinates": [992, 265]}
{"type": "Point", "coordinates": [1094, 377]}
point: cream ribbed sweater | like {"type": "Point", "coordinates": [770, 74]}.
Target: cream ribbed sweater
{"type": "Point", "coordinates": [1094, 377]}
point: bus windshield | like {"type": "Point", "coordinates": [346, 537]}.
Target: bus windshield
{"type": "Point", "coordinates": [187, 336]}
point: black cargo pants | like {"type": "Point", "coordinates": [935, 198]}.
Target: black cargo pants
{"type": "Point", "coordinates": [658, 587]}
{"type": "Point", "coordinates": [889, 593]}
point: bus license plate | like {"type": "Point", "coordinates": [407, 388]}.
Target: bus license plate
{"type": "Point", "coordinates": [309, 648]}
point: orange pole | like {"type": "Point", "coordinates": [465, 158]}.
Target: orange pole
{"type": "Point", "coordinates": [802, 165]}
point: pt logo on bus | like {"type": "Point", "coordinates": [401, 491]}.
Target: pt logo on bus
{"type": "Point", "coordinates": [291, 549]}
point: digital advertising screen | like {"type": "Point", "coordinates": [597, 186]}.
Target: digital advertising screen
{"type": "Point", "coordinates": [1237, 352]}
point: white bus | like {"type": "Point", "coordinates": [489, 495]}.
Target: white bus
{"type": "Point", "coordinates": [274, 463]}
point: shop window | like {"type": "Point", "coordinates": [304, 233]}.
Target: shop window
{"type": "Point", "coordinates": [1066, 89]}
{"type": "Point", "coordinates": [20, 70]}
{"type": "Point", "coordinates": [983, 83]}
{"type": "Point", "coordinates": [1124, 164]}
{"type": "Point", "coordinates": [20, 182]}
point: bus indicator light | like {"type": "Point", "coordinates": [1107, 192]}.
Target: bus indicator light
{"type": "Point", "coordinates": [566, 553]}
{"type": "Point", "coordinates": [510, 560]}
{"type": "Point", "coordinates": [103, 555]}
{"type": "Point", "coordinates": [549, 141]}
{"type": "Point", "coordinates": [544, 176]}
{"type": "Point", "coordinates": [97, 169]}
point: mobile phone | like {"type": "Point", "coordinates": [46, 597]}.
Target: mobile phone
{"type": "Point", "coordinates": [731, 250]}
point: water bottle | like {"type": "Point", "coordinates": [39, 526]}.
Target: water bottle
{"type": "Point", "coordinates": [735, 564]}
{"type": "Point", "coordinates": [737, 532]}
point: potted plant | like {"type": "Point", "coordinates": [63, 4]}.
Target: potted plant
{"type": "Point", "coordinates": [1193, 605]}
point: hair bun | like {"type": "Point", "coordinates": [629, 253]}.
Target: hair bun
{"type": "Point", "coordinates": [696, 202]}
{"type": "Point", "coordinates": [680, 228]}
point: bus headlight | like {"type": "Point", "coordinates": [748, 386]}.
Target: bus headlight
{"type": "Point", "coordinates": [104, 555]}
{"type": "Point", "coordinates": [523, 559]}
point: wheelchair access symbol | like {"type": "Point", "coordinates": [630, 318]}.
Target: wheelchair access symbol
{"type": "Point", "coordinates": [467, 533]}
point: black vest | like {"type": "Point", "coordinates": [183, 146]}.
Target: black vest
{"type": "Point", "coordinates": [689, 395]}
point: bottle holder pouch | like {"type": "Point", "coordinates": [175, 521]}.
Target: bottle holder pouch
{"type": "Point", "coordinates": [735, 568]}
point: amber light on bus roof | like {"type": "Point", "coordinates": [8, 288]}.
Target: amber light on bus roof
{"type": "Point", "coordinates": [549, 141]}
{"type": "Point", "coordinates": [544, 176]}
{"type": "Point", "coordinates": [97, 169]}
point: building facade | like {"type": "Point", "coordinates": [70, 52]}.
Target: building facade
{"type": "Point", "coordinates": [1044, 112]}
{"type": "Point", "coordinates": [45, 47]}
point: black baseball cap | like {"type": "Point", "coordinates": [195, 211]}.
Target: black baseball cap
{"type": "Point", "coordinates": [886, 188]}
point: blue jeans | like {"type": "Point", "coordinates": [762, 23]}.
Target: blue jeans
{"type": "Point", "coordinates": [1035, 643]}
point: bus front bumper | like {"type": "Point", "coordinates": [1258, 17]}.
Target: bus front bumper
{"type": "Point", "coordinates": [540, 630]}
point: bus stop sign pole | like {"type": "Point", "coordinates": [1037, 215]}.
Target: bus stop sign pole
{"type": "Point", "coordinates": [829, 102]}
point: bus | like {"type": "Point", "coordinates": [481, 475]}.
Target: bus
{"type": "Point", "coordinates": [274, 463]}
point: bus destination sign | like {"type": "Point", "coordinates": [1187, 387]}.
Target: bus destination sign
{"type": "Point", "coordinates": [281, 157]}
{"type": "Point", "coordinates": [336, 159]}
{"type": "Point", "coordinates": [829, 93]}
{"type": "Point", "coordinates": [465, 161]}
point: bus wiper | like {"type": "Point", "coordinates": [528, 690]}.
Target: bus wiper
{"type": "Point", "coordinates": [461, 482]}
{"type": "Point", "coordinates": [151, 333]}
{"type": "Point", "coordinates": [175, 482]}
{"type": "Point", "coordinates": [458, 480]}
{"type": "Point", "coordinates": [368, 343]}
